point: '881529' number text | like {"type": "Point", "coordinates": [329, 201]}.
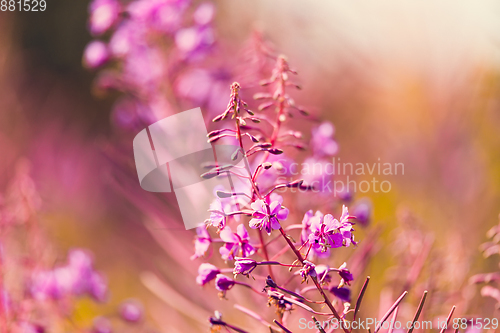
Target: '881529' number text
{"type": "Point", "coordinates": [23, 5]}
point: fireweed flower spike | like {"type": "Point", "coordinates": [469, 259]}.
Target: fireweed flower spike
{"type": "Point", "coordinates": [267, 216]}
{"type": "Point", "coordinates": [236, 243]}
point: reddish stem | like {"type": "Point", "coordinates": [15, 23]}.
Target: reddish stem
{"type": "Point", "coordinates": [315, 280]}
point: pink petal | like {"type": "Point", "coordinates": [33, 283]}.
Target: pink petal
{"type": "Point", "coordinates": [345, 214]}
{"type": "Point", "coordinates": [248, 250]}
{"type": "Point", "coordinates": [330, 223]}
{"type": "Point", "coordinates": [283, 214]}
{"type": "Point", "coordinates": [276, 197]}
{"type": "Point", "coordinates": [228, 236]}
{"type": "Point", "coordinates": [259, 206]}
{"type": "Point", "coordinates": [336, 240]}
{"type": "Point", "coordinates": [242, 232]}
{"type": "Point", "coordinates": [274, 207]}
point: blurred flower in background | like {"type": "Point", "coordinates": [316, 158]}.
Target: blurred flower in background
{"type": "Point", "coordinates": [413, 83]}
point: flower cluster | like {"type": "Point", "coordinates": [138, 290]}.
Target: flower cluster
{"type": "Point", "coordinates": [142, 48]}
{"type": "Point", "coordinates": [265, 212]}
{"type": "Point", "coordinates": [36, 295]}
{"type": "Point", "coordinates": [76, 278]}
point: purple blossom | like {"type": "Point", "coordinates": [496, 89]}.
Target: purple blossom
{"type": "Point", "coordinates": [202, 242]}
{"type": "Point", "coordinates": [316, 173]}
{"type": "Point", "coordinates": [131, 310]}
{"type": "Point", "coordinates": [206, 273]}
{"type": "Point", "coordinates": [159, 15]}
{"type": "Point", "coordinates": [217, 215]}
{"type": "Point", "coordinates": [223, 283]}
{"type": "Point", "coordinates": [51, 284]}
{"type": "Point", "coordinates": [282, 167]}
{"type": "Point", "coordinates": [345, 194]}
{"type": "Point", "coordinates": [98, 287]}
{"type": "Point", "coordinates": [362, 211]}
{"type": "Point", "coordinates": [96, 54]}
{"type": "Point", "coordinates": [307, 270]}
{"type": "Point", "coordinates": [244, 266]}
{"type": "Point", "coordinates": [27, 327]}
{"type": "Point", "coordinates": [307, 222]}
{"type": "Point", "coordinates": [76, 278]}
{"type": "Point", "coordinates": [204, 87]}
{"type": "Point", "coordinates": [267, 216]}
{"type": "Point", "coordinates": [323, 273]}
{"type": "Point", "coordinates": [101, 325]}
{"type": "Point", "coordinates": [193, 43]}
{"type": "Point", "coordinates": [322, 140]}
{"type": "Point", "coordinates": [126, 37]}
{"type": "Point", "coordinates": [204, 14]}
{"type": "Point", "coordinates": [144, 69]}
{"type": "Point", "coordinates": [103, 15]}
{"type": "Point", "coordinates": [236, 243]}
{"type": "Point", "coordinates": [328, 232]}
{"type": "Point", "coordinates": [343, 293]}
{"type": "Point", "coordinates": [345, 274]}
{"type": "Point", "coordinates": [323, 235]}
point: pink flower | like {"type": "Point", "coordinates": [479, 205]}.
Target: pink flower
{"type": "Point", "coordinates": [343, 293]}
{"type": "Point", "coordinates": [322, 140]}
{"type": "Point", "coordinates": [223, 283]}
{"type": "Point", "coordinates": [328, 232]}
{"type": "Point", "coordinates": [206, 273]}
{"type": "Point", "coordinates": [244, 266]}
{"type": "Point", "coordinates": [204, 87]}
{"type": "Point", "coordinates": [204, 14]}
{"type": "Point", "coordinates": [217, 216]}
{"type": "Point", "coordinates": [236, 243]}
{"type": "Point", "coordinates": [202, 242]}
{"type": "Point", "coordinates": [194, 42]}
{"type": "Point", "coordinates": [76, 278]}
{"type": "Point", "coordinates": [96, 54]}
{"type": "Point", "coordinates": [267, 216]}
{"type": "Point", "coordinates": [160, 15]}
{"type": "Point", "coordinates": [103, 15]}
{"type": "Point", "coordinates": [131, 310]}
{"type": "Point", "coordinates": [127, 36]}
{"type": "Point", "coordinates": [101, 325]}
{"type": "Point", "coordinates": [307, 222]}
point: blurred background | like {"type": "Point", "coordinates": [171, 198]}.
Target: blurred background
{"type": "Point", "coordinates": [413, 82]}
